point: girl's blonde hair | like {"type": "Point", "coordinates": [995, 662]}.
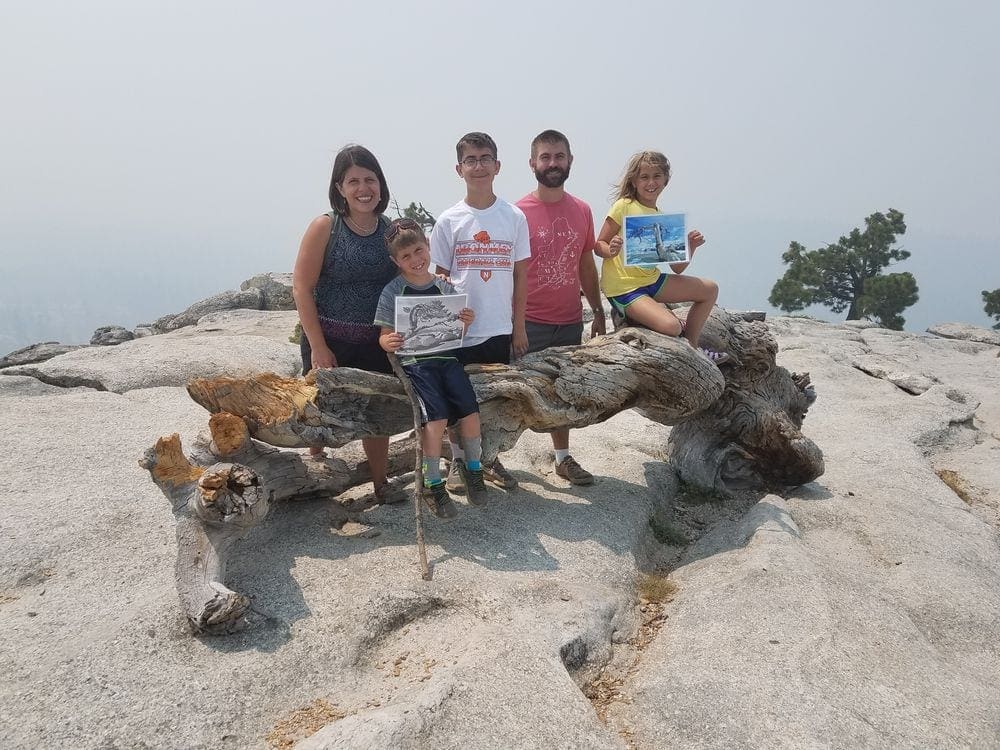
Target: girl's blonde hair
{"type": "Point", "coordinates": [625, 187]}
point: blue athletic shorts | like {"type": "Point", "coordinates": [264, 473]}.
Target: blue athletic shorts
{"type": "Point", "coordinates": [621, 301]}
{"type": "Point", "coordinates": [444, 389]}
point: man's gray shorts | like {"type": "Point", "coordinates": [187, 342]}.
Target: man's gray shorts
{"type": "Point", "coordinates": [546, 335]}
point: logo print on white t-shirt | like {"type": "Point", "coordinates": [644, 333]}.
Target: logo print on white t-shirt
{"type": "Point", "coordinates": [484, 254]}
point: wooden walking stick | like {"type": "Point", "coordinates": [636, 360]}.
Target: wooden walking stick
{"type": "Point", "coordinates": [425, 570]}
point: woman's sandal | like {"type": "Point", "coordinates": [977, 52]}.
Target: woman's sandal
{"type": "Point", "coordinates": [719, 358]}
{"type": "Point", "coordinates": [390, 494]}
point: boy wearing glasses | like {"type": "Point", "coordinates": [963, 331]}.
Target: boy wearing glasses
{"type": "Point", "coordinates": [446, 395]}
{"type": "Point", "coordinates": [482, 244]}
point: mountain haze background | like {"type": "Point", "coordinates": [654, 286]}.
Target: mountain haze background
{"type": "Point", "coordinates": [155, 154]}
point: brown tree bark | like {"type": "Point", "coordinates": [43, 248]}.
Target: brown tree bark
{"type": "Point", "coordinates": [226, 489]}
{"type": "Point", "coordinates": [751, 436]}
{"type": "Point", "coordinates": [735, 427]}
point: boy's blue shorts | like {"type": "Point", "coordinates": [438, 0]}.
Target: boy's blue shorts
{"type": "Point", "coordinates": [444, 389]}
{"type": "Point", "coordinates": [621, 301]}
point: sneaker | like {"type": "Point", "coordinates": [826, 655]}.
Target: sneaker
{"type": "Point", "coordinates": [570, 470]}
{"type": "Point", "coordinates": [454, 482]}
{"type": "Point", "coordinates": [498, 475]}
{"type": "Point", "coordinates": [439, 502]}
{"type": "Point", "coordinates": [719, 358]}
{"type": "Point", "coordinates": [474, 484]}
{"type": "Point", "coordinates": [390, 494]}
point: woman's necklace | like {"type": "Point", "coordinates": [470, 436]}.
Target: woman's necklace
{"type": "Point", "coordinates": [358, 229]}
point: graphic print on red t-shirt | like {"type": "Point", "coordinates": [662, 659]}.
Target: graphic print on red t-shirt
{"type": "Point", "coordinates": [555, 257]}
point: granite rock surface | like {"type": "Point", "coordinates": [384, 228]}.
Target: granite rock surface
{"type": "Point", "coordinates": [861, 610]}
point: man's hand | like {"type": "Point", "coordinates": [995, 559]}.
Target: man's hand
{"type": "Point", "coordinates": [599, 326]}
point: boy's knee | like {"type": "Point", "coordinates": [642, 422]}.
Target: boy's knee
{"type": "Point", "coordinates": [438, 424]}
{"type": "Point", "coordinates": [437, 427]}
{"type": "Point", "coordinates": [711, 290]}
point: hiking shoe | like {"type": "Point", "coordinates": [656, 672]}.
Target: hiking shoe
{"type": "Point", "coordinates": [390, 494]}
{"type": "Point", "coordinates": [474, 484]}
{"type": "Point", "coordinates": [719, 358]}
{"type": "Point", "coordinates": [498, 475]}
{"type": "Point", "coordinates": [454, 482]}
{"type": "Point", "coordinates": [439, 502]}
{"type": "Point", "coordinates": [570, 470]}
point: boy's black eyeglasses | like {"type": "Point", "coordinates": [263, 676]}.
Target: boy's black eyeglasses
{"type": "Point", "coordinates": [487, 160]}
{"type": "Point", "coordinates": [398, 226]}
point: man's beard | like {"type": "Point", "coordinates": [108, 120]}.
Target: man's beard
{"type": "Point", "coordinates": [552, 177]}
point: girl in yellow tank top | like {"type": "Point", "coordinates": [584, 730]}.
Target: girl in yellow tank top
{"type": "Point", "coordinates": [638, 292]}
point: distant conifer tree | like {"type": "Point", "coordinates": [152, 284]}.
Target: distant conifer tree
{"type": "Point", "coordinates": [847, 275]}
{"type": "Point", "coordinates": [991, 302]}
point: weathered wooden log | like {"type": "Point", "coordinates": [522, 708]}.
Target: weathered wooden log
{"type": "Point", "coordinates": [739, 430]}
{"type": "Point", "coordinates": [750, 437]}
{"type": "Point", "coordinates": [737, 427]}
{"type": "Point", "coordinates": [225, 490]}
{"type": "Point", "coordinates": [573, 386]}
{"type": "Point", "coordinates": [289, 475]}
{"type": "Point", "coordinates": [214, 507]}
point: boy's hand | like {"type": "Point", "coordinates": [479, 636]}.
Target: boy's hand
{"type": "Point", "coordinates": [519, 342]}
{"type": "Point", "coordinates": [695, 239]}
{"type": "Point", "coordinates": [391, 341]}
{"type": "Point", "coordinates": [467, 315]}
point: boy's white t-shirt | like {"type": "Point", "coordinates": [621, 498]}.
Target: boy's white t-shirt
{"type": "Point", "coordinates": [480, 247]}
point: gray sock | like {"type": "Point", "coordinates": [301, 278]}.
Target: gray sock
{"type": "Point", "coordinates": [473, 451]}
{"type": "Point", "coordinates": [432, 470]}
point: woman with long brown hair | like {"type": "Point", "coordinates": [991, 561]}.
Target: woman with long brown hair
{"type": "Point", "coordinates": [342, 266]}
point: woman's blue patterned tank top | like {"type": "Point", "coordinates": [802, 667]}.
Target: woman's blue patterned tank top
{"type": "Point", "coordinates": [355, 270]}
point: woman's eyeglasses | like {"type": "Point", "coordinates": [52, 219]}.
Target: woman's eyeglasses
{"type": "Point", "coordinates": [398, 225]}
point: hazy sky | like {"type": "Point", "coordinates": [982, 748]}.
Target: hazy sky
{"type": "Point", "coordinates": [153, 153]}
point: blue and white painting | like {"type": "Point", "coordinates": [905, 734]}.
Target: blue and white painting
{"type": "Point", "coordinates": [654, 239]}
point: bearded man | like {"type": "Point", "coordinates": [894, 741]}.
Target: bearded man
{"type": "Point", "coordinates": [561, 229]}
